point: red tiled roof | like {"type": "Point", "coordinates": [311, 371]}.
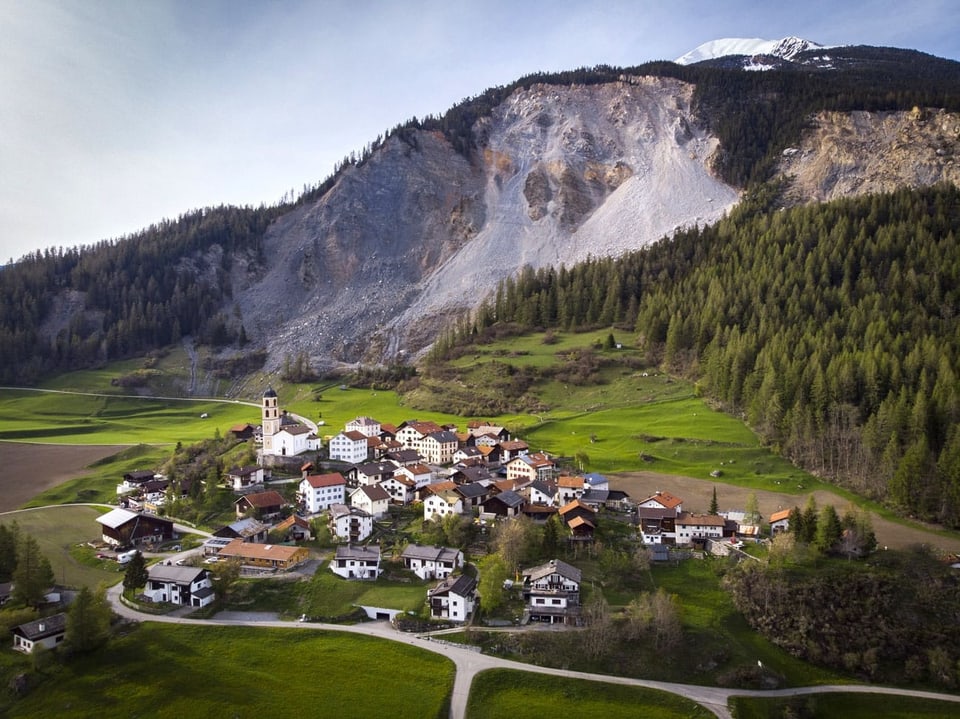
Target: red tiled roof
{"type": "Point", "coordinates": [326, 480]}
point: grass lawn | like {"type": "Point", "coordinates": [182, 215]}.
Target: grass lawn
{"type": "Point", "coordinates": [189, 671]}
{"type": "Point", "coordinates": [327, 595]}
{"type": "Point", "coordinates": [849, 706]}
{"type": "Point", "coordinates": [521, 695]}
{"type": "Point", "coordinates": [59, 531]}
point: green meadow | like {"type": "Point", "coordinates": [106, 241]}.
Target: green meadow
{"type": "Point", "coordinates": [522, 695]}
{"type": "Point", "coordinates": [170, 671]}
{"type": "Point", "coordinates": [849, 706]}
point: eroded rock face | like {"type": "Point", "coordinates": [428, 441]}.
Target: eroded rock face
{"type": "Point", "coordinates": [857, 153]}
{"type": "Point", "coordinates": [419, 234]}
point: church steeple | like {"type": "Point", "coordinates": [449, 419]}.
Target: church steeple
{"type": "Point", "coordinates": [270, 419]}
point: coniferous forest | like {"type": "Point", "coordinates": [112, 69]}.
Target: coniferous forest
{"type": "Point", "coordinates": [832, 329]}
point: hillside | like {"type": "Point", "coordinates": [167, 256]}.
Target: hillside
{"type": "Point", "coordinates": [371, 264]}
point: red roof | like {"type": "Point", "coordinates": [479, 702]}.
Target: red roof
{"type": "Point", "coordinates": [326, 480]}
{"type": "Point", "coordinates": [271, 498]}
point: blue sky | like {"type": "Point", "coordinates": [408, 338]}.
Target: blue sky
{"type": "Point", "coordinates": [119, 113]}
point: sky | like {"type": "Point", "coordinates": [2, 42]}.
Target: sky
{"type": "Point", "coordinates": [116, 114]}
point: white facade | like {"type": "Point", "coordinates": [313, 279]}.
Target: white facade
{"type": "Point", "coordinates": [440, 505]}
{"type": "Point", "coordinates": [698, 526]}
{"type": "Point", "coordinates": [350, 524]}
{"type": "Point", "coordinates": [367, 426]}
{"type": "Point", "coordinates": [373, 499]}
{"type": "Point", "coordinates": [321, 491]}
{"type": "Point", "coordinates": [293, 440]}
{"type": "Point", "coordinates": [438, 447]}
{"type": "Point", "coordinates": [356, 562]}
{"type": "Point", "coordinates": [453, 599]}
{"type": "Point", "coordinates": [349, 446]}
{"type": "Point", "coordinates": [420, 473]}
{"type": "Point", "coordinates": [400, 488]}
{"type": "Point", "coordinates": [431, 562]}
{"type": "Point", "coordinates": [186, 586]}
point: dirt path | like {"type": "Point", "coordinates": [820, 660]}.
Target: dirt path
{"type": "Point", "coordinates": [696, 494]}
{"type": "Point", "coordinates": [28, 469]}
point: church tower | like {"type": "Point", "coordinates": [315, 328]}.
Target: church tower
{"type": "Point", "coordinates": [270, 420]}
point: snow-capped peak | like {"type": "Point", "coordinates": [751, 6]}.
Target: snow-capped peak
{"type": "Point", "coordinates": [787, 48]}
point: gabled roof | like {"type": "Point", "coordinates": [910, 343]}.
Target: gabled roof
{"type": "Point", "coordinates": [508, 498]}
{"type": "Point", "coordinates": [371, 469]}
{"type": "Point", "coordinates": [270, 498]}
{"type": "Point", "coordinates": [342, 510]}
{"type": "Point", "coordinates": [354, 435]}
{"type": "Point", "coordinates": [325, 480]}
{"type": "Point", "coordinates": [440, 487]}
{"type": "Point", "coordinates": [251, 550]}
{"type": "Point", "coordinates": [443, 437]}
{"type": "Point", "coordinates": [430, 554]}
{"type": "Point", "coordinates": [245, 471]}
{"type": "Point", "coordinates": [295, 429]}
{"type": "Point", "coordinates": [292, 520]}
{"type": "Point", "coordinates": [557, 566]}
{"type": "Point", "coordinates": [704, 520]}
{"type": "Point", "coordinates": [349, 551]}
{"type": "Point", "coordinates": [116, 518]}
{"type": "Point", "coordinates": [472, 490]}
{"type": "Point", "coordinates": [400, 478]}
{"type": "Point", "coordinates": [778, 516]}
{"type": "Point", "coordinates": [664, 498]}
{"type": "Point", "coordinates": [570, 482]}
{"type": "Point", "coordinates": [42, 628]}
{"type": "Point", "coordinates": [462, 586]}
{"type": "Point", "coordinates": [423, 428]}
{"type": "Point", "coordinates": [514, 445]}
{"type": "Point", "coordinates": [173, 573]}
{"type": "Point", "coordinates": [248, 527]}
{"type": "Point", "coordinates": [575, 504]}
{"type": "Point", "coordinates": [374, 492]}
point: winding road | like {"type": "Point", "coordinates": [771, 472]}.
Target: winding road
{"type": "Point", "coordinates": [469, 662]}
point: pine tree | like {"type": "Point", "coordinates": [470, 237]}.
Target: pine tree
{"type": "Point", "coordinates": [714, 507]}
{"type": "Point", "coordinates": [829, 529]}
{"type": "Point", "coordinates": [33, 575]}
{"type": "Point", "coordinates": [136, 574]}
{"type": "Point", "coordinates": [88, 620]}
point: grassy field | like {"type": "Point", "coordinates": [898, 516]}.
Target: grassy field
{"type": "Point", "coordinates": [188, 671]}
{"type": "Point", "coordinates": [849, 706]}
{"type": "Point", "coordinates": [520, 695]}
{"type": "Point", "coordinates": [60, 532]}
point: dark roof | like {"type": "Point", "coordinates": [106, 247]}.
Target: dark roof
{"type": "Point", "coordinates": [42, 628]}
{"type": "Point", "coordinates": [373, 468]}
{"type": "Point", "coordinates": [348, 551]}
{"type": "Point", "coordinates": [444, 437]}
{"type": "Point", "coordinates": [472, 490]}
{"type": "Point", "coordinates": [462, 585]}
{"type": "Point", "coordinates": [509, 498]}
{"type": "Point", "coordinates": [270, 498]}
{"type": "Point", "coordinates": [269, 392]}
{"type": "Point", "coordinates": [554, 565]}
{"type": "Point", "coordinates": [430, 554]}
{"type": "Point", "coordinates": [374, 492]}
{"type": "Point", "coordinates": [595, 495]}
{"type": "Point", "coordinates": [175, 574]}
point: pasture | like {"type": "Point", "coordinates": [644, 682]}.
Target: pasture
{"type": "Point", "coordinates": [849, 706]}
{"type": "Point", "coordinates": [172, 671]}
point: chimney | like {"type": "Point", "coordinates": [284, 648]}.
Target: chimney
{"type": "Point", "coordinates": [41, 627]}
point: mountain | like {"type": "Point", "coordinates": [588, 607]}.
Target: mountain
{"type": "Point", "coordinates": [372, 264]}
{"type": "Point", "coordinates": [787, 49]}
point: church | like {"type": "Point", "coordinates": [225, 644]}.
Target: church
{"type": "Point", "coordinates": [283, 435]}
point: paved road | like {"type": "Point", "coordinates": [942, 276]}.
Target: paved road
{"type": "Point", "coordinates": [469, 662]}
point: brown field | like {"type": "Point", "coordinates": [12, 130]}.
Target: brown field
{"type": "Point", "coordinates": [28, 469]}
{"type": "Point", "coordinates": [696, 494]}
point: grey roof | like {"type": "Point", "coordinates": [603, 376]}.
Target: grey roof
{"type": "Point", "coordinates": [44, 627]}
{"type": "Point", "coordinates": [203, 592]}
{"type": "Point", "coordinates": [270, 392]}
{"type": "Point", "coordinates": [554, 565]}
{"type": "Point", "coordinates": [472, 490]}
{"type": "Point", "coordinates": [341, 510]}
{"type": "Point", "coordinates": [595, 495]}
{"type": "Point", "coordinates": [462, 585]}
{"type": "Point", "coordinates": [373, 468]}
{"type": "Point", "coordinates": [444, 437]}
{"type": "Point", "coordinates": [431, 554]}
{"type": "Point", "coordinates": [374, 492]}
{"type": "Point", "coordinates": [509, 498]}
{"type": "Point", "coordinates": [246, 527]}
{"type": "Point", "coordinates": [173, 573]}
{"type": "Point", "coordinates": [348, 551]}
{"type": "Point", "coordinates": [116, 518]}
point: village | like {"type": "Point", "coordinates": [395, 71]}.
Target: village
{"type": "Point", "coordinates": [481, 476]}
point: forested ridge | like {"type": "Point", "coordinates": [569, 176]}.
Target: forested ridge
{"type": "Point", "coordinates": [832, 329]}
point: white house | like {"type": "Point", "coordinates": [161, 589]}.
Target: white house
{"type": "Point", "coordinates": [375, 472]}
{"type": "Point", "coordinates": [371, 498]}
{"type": "Point", "coordinates": [350, 524]}
{"type": "Point", "coordinates": [349, 446]}
{"type": "Point", "coordinates": [542, 492]}
{"type": "Point", "coordinates": [698, 526]}
{"type": "Point", "coordinates": [453, 599]}
{"type": "Point", "coordinates": [186, 586]}
{"type": "Point", "coordinates": [240, 478]}
{"type": "Point", "coordinates": [319, 491]}
{"type": "Point", "coordinates": [410, 434]}
{"type": "Point", "coordinates": [400, 487]}
{"type": "Point", "coordinates": [530, 467]}
{"type": "Point", "coordinates": [438, 447]}
{"type": "Point", "coordinates": [295, 439]}
{"type": "Point", "coordinates": [352, 562]}
{"type": "Point", "coordinates": [47, 632]}
{"type": "Point", "coordinates": [420, 473]}
{"type": "Point", "coordinates": [431, 562]}
{"type": "Point", "coordinates": [367, 426]}
{"type": "Point", "coordinates": [780, 522]}
{"type": "Point", "coordinates": [441, 504]}
{"type": "Point", "coordinates": [569, 488]}
{"type": "Point", "coordinates": [552, 592]}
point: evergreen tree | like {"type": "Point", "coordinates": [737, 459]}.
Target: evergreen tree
{"type": "Point", "coordinates": [714, 507]}
{"type": "Point", "coordinates": [88, 620]}
{"type": "Point", "coordinates": [33, 575]}
{"type": "Point", "coordinates": [829, 529]}
{"type": "Point", "coordinates": [136, 574]}
{"type": "Point", "coordinates": [8, 550]}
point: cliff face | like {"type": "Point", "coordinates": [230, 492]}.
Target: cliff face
{"type": "Point", "coordinates": [418, 234]}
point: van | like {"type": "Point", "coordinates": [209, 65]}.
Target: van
{"type": "Point", "coordinates": [125, 557]}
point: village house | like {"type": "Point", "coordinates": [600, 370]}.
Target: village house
{"type": "Point", "coordinates": [265, 506]}
{"type": "Point", "coordinates": [692, 527]}
{"type": "Point", "coordinates": [552, 593]}
{"type": "Point", "coordinates": [294, 529]}
{"type": "Point", "coordinates": [186, 586]}
{"type": "Point", "coordinates": [411, 433]}
{"type": "Point", "coordinates": [473, 493]}
{"type": "Point", "coordinates": [656, 518]}
{"type": "Point", "coordinates": [607, 498]}
{"type": "Point", "coordinates": [542, 491]}
{"type": "Point", "coordinates": [366, 426]}
{"type": "Point", "coordinates": [248, 529]}
{"type": "Point", "coordinates": [275, 557]}
{"type": "Point", "coordinates": [569, 488]}
{"type": "Point", "coordinates": [580, 519]}
{"type": "Point", "coordinates": [400, 487]}
{"type": "Point", "coordinates": [467, 455]}
{"type": "Point", "coordinates": [431, 562]}
{"type": "Point", "coordinates": [441, 503]}
{"type": "Point", "coordinates": [352, 562]}
{"type": "Point", "coordinates": [371, 498]}
{"type": "Point", "coordinates": [242, 478]}
{"type": "Point", "coordinates": [453, 599]}
{"type": "Point", "coordinates": [404, 457]}
{"type": "Point", "coordinates": [780, 522]}
{"type": "Point", "coordinates": [120, 527]}
{"type": "Point", "coordinates": [244, 431]}
{"type": "Point", "coordinates": [373, 473]}
{"type": "Point", "coordinates": [295, 439]}
{"type": "Point", "coordinates": [46, 632]}
{"type": "Point", "coordinates": [504, 504]}
{"type": "Point", "coordinates": [349, 446]}
{"type": "Point", "coordinates": [511, 449]}
{"type": "Point", "coordinates": [318, 492]}
{"type": "Point", "coordinates": [485, 429]}
{"type": "Point", "coordinates": [530, 467]}
{"type": "Point", "coordinates": [438, 447]}
{"type": "Point", "coordinates": [350, 524]}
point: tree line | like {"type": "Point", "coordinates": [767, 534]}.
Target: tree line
{"type": "Point", "coordinates": [832, 329]}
